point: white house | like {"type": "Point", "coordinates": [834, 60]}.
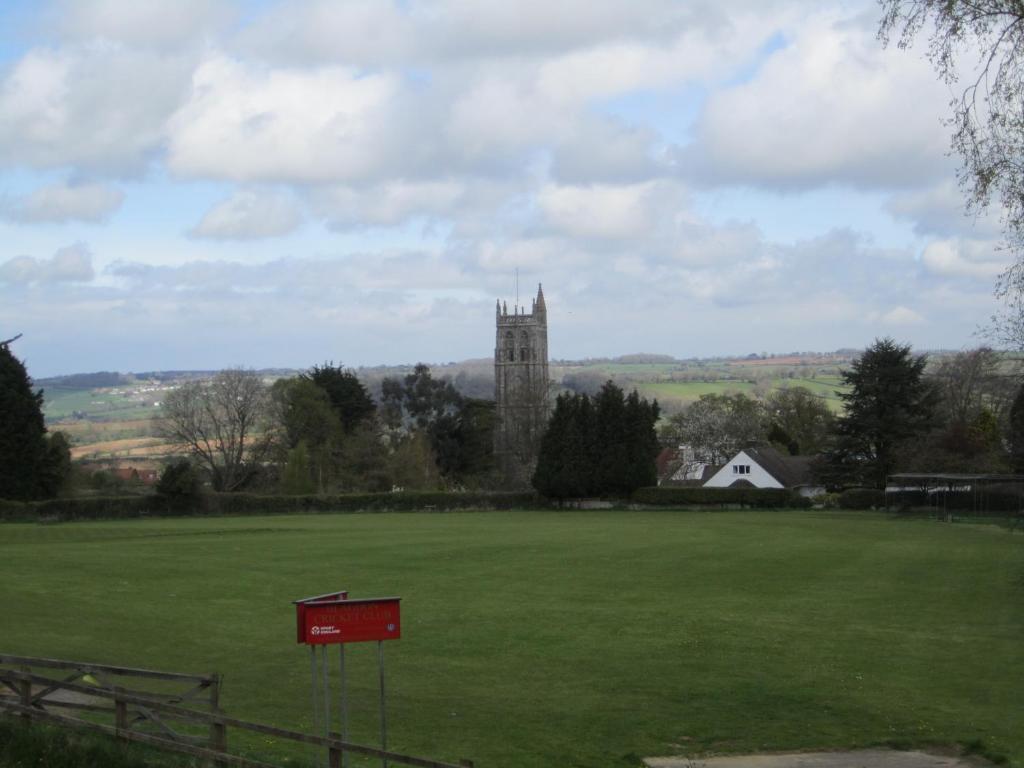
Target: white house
{"type": "Point", "coordinates": [764, 467]}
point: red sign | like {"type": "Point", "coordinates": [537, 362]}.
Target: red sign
{"type": "Point", "coordinates": [300, 609]}
{"type": "Point", "coordinates": [349, 621]}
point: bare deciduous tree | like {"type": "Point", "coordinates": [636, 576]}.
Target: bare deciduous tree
{"type": "Point", "coordinates": [981, 41]}
{"type": "Point", "coordinates": [223, 423]}
{"type": "Point", "coordinates": [973, 380]}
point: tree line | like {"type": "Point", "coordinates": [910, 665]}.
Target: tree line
{"type": "Point", "coordinates": [962, 413]}
{"type": "Point", "coordinates": [323, 432]}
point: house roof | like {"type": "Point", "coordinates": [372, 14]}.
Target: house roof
{"type": "Point", "coordinates": [664, 460]}
{"type": "Point", "coordinates": [709, 472]}
{"type": "Point", "coordinates": [790, 471]}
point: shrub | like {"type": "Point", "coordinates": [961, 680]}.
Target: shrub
{"type": "Point", "coordinates": [762, 498]}
{"type": "Point", "coordinates": [126, 507]}
{"type": "Point", "coordinates": [862, 498]}
{"type": "Point", "coordinates": [15, 510]}
{"type": "Point", "coordinates": [179, 483]}
{"type": "Point", "coordinates": [826, 500]}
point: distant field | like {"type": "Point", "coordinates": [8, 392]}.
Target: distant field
{"type": "Point", "coordinates": [137, 447]}
{"type": "Point", "coordinates": [613, 369]}
{"type": "Point", "coordinates": [562, 639]}
{"type": "Point", "coordinates": [98, 404]}
{"type": "Point", "coordinates": [691, 390]}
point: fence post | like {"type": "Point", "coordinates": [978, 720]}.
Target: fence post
{"type": "Point", "coordinates": [466, 763]}
{"type": "Point", "coordinates": [25, 698]}
{"type": "Point", "coordinates": [333, 757]}
{"type": "Point", "coordinates": [120, 712]}
{"type": "Point", "coordinates": [219, 741]}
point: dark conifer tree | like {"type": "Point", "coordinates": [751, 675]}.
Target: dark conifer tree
{"type": "Point", "coordinates": [614, 464]}
{"type": "Point", "coordinates": [23, 445]}
{"type": "Point", "coordinates": [889, 403]}
{"type": "Point", "coordinates": [596, 448]}
{"type": "Point", "coordinates": [642, 439]}
{"type": "Point", "coordinates": [348, 397]}
{"type": "Point", "coordinates": [553, 474]}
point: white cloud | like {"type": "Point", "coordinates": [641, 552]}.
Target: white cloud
{"type": "Point", "coordinates": [96, 108]}
{"type": "Point", "coordinates": [431, 32]}
{"type": "Point", "coordinates": [249, 123]}
{"type": "Point", "coordinates": [70, 264]}
{"type": "Point", "coordinates": [964, 257]}
{"type": "Point", "coordinates": [898, 316]}
{"type": "Point", "coordinates": [63, 202]}
{"type": "Point", "coordinates": [250, 214]}
{"type": "Point", "coordinates": [941, 210]}
{"type": "Point", "coordinates": [830, 107]}
{"type": "Point", "coordinates": [608, 211]}
{"type": "Point", "coordinates": [158, 23]}
{"type": "Point", "coordinates": [550, 255]}
{"type": "Point", "coordinates": [389, 203]}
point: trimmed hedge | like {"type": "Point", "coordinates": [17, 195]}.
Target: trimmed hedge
{"type": "Point", "coordinates": [759, 498]}
{"type": "Point", "coordinates": [214, 504]}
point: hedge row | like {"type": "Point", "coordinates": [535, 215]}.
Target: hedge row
{"type": "Point", "coordinates": [213, 504]}
{"type": "Point", "coordinates": [862, 498]}
{"type": "Point", "coordinates": [759, 498]}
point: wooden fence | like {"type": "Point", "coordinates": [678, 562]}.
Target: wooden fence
{"type": "Point", "coordinates": [160, 718]}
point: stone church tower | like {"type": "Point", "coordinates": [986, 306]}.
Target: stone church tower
{"type": "Point", "coordinates": [520, 385]}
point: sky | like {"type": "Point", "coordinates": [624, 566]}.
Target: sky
{"type": "Point", "coordinates": [188, 184]}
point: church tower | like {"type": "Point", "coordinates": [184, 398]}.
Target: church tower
{"type": "Point", "coordinates": [520, 384]}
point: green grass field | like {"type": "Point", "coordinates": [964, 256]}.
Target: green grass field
{"type": "Point", "coordinates": [61, 403]}
{"type": "Point", "coordinates": [824, 387]}
{"type": "Point", "coordinates": [562, 639]}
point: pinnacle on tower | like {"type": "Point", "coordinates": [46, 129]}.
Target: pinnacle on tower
{"type": "Point", "coordinates": [538, 306]}
{"type": "Point", "coordinates": [497, 307]}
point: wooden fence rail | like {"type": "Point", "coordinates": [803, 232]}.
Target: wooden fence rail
{"type": "Point", "coordinates": [32, 700]}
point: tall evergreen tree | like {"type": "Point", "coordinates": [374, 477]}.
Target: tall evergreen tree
{"type": "Point", "coordinates": [642, 438]}
{"type": "Point", "coordinates": [612, 433]}
{"type": "Point", "coordinates": [602, 447]}
{"type": "Point", "coordinates": [347, 395]}
{"type": "Point", "coordinates": [566, 461]}
{"type": "Point", "coordinates": [889, 403]}
{"type": "Point", "coordinates": [29, 467]}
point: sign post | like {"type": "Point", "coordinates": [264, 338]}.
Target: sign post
{"type": "Point", "coordinates": [383, 710]}
{"type": "Point", "coordinates": [335, 619]}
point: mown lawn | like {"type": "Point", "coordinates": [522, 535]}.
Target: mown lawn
{"type": "Point", "coordinates": [562, 639]}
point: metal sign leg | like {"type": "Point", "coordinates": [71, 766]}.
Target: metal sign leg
{"type": "Point", "coordinates": [383, 712]}
{"type": "Point", "coordinates": [316, 699]}
{"type": "Point", "coordinates": [327, 702]}
{"type": "Point", "coordinates": [343, 702]}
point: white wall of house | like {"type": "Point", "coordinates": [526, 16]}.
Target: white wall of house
{"type": "Point", "coordinates": [733, 471]}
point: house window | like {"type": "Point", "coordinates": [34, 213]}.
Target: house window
{"type": "Point", "coordinates": [741, 469]}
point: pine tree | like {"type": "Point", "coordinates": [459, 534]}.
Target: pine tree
{"type": "Point", "coordinates": [604, 447]}
{"type": "Point", "coordinates": [23, 445]}
{"type": "Point", "coordinates": [889, 403]}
